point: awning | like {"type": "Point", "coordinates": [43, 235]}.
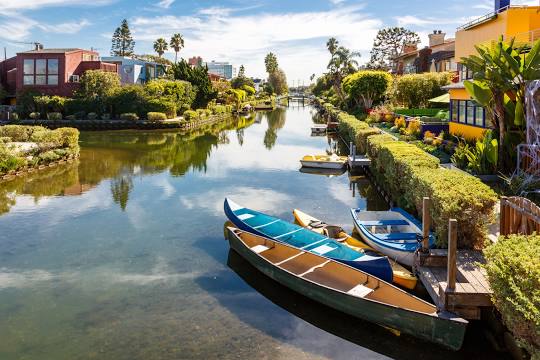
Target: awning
{"type": "Point", "coordinates": [441, 99]}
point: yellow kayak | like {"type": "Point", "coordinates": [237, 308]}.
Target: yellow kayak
{"type": "Point", "coordinates": [324, 161]}
{"type": "Point", "coordinates": [402, 276]}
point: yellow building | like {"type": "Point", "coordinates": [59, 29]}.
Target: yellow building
{"type": "Point", "coordinates": [509, 21]}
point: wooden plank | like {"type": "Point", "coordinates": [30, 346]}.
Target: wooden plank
{"type": "Point", "coordinates": [430, 283]}
{"type": "Point", "coordinates": [467, 312]}
{"type": "Point", "coordinates": [453, 298]}
{"type": "Point", "coordinates": [426, 222]}
{"type": "Point", "coordinates": [452, 248]}
{"type": "Point", "coordinates": [470, 270]}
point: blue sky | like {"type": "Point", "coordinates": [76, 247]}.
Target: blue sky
{"type": "Point", "coordinates": [238, 31]}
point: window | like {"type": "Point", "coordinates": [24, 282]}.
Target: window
{"type": "Point", "coordinates": [464, 73]}
{"type": "Point", "coordinates": [462, 111]}
{"type": "Point", "coordinates": [455, 110]}
{"type": "Point", "coordinates": [480, 116]}
{"type": "Point", "coordinates": [40, 72]}
{"type": "Point", "coordinates": [471, 109]}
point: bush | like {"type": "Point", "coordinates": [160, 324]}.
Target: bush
{"type": "Point", "coordinates": [129, 99]}
{"type": "Point", "coordinates": [8, 161]}
{"type": "Point", "coordinates": [414, 90]}
{"type": "Point", "coordinates": [46, 138]}
{"type": "Point", "coordinates": [14, 116]}
{"type": "Point", "coordinates": [413, 128]}
{"type": "Point", "coordinates": [34, 115]}
{"type": "Point", "coordinates": [129, 116]}
{"type": "Point", "coordinates": [417, 112]}
{"type": "Point", "coordinates": [161, 106]}
{"type": "Point", "coordinates": [219, 109]}
{"type": "Point", "coordinates": [92, 116]}
{"type": "Point", "coordinates": [71, 117]}
{"type": "Point", "coordinates": [69, 137]}
{"type": "Point", "coordinates": [156, 116]}
{"type": "Point", "coordinates": [513, 271]}
{"type": "Point", "coordinates": [367, 86]}
{"type": "Point", "coordinates": [25, 102]}
{"type": "Point", "coordinates": [54, 116]}
{"type": "Point", "coordinates": [106, 116]}
{"type": "Point", "coordinates": [80, 115]}
{"type": "Point", "coordinates": [17, 133]}
{"type": "Point", "coordinates": [400, 123]}
{"type": "Point", "coordinates": [175, 94]}
{"type": "Point", "coordinates": [46, 104]}
{"type": "Point", "coordinates": [190, 115]}
{"type": "Point", "coordinates": [408, 174]}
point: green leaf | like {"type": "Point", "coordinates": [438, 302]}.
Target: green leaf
{"type": "Point", "coordinates": [519, 118]}
{"type": "Point", "coordinates": [479, 92]}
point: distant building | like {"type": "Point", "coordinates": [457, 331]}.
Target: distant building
{"type": "Point", "coordinates": [49, 71]}
{"type": "Point", "coordinates": [439, 56]}
{"type": "Point", "coordinates": [258, 84]}
{"type": "Point", "coordinates": [195, 61]}
{"type": "Point", "coordinates": [223, 69]}
{"type": "Point", "coordinates": [136, 71]}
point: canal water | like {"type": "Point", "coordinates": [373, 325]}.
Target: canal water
{"type": "Point", "coordinates": [121, 254]}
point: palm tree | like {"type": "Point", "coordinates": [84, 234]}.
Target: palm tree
{"type": "Point", "coordinates": [177, 43]}
{"type": "Point", "coordinates": [341, 64]}
{"type": "Point", "coordinates": [160, 46]}
{"type": "Point", "coordinates": [332, 45]}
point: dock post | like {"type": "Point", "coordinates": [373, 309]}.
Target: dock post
{"type": "Point", "coordinates": [426, 223]}
{"type": "Point", "coordinates": [452, 248]}
{"type": "Point", "coordinates": [503, 228]}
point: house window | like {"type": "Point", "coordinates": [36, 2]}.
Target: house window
{"type": "Point", "coordinates": [471, 109]}
{"type": "Point", "coordinates": [40, 72]}
{"type": "Point", "coordinates": [480, 116]}
{"type": "Point", "coordinates": [464, 73]}
{"type": "Point", "coordinates": [462, 111]}
{"type": "Point", "coordinates": [455, 110]}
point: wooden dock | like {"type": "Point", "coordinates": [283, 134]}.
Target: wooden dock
{"type": "Point", "coordinates": [471, 291]}
{"type": "Point", "coordinates": [357, 161]}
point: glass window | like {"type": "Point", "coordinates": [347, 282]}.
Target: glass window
{"type": "Point", "coordinates": [41, 80]}
{"type": "Point", "coordinates": [52, 66]}
{"type": "Point", "coordinates": [470, 112]}
{"type": "Point", "coordinates": [28, 66]}
{"type": "Point", "coordinates": [462, 111]}
{"type": "Point", "coordinates": [28, 79]}
{"type": "Point", "coordinates": [52, 80]}
{"type": "Point", "coordinates": [455, 110]}
{"type": "Point", "coordinates": [41, 66]}
{"type": "Point", "coordinates": [480, 114]}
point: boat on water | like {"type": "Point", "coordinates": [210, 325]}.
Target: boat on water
{"type": "Point", "coordinates": [348, 289]}
{"type": "Point", "coordinates": [319, 129]}
{"type": "Point", "coordinates": [394, 233]}
{"type": "Point", "coordinates": [401, 275]}
{"type": "Point", "coordinates": [324, 161]}
{"type": "Point", "coordinates": [306, 240]}
{"type": "Point", "coordinates": [324, 172]}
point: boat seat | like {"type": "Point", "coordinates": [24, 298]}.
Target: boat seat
{"type": "Point", "coordinates": [396, 222]}
{"type": "Point", "coordinates": [397, 236]}
{"type": "Point", "coordinates": [360, 291]}
{"type": "Point", "coordinates": [257, 249]}
{"type": "Point", "coordinates": [316, 224]}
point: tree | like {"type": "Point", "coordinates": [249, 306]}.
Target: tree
{"type": "Point", "coordinates": [122, 41]}
{"type": "Point", "coordinates": [160, 46]}
{"type": "Point", "coordinates": [415, 90]}
{"type": "Point", "coordinates": [176, 43]}
{"type": "Point", "coordinates": [388, 44]}
{"type": "Point", "coordinates": [500, 74]}
{"type": "Point", "coordinates": [366, 87]}
{"type": "Point", "coordinates": [271, 63]}
{"type": "Point", "coordinates": [198, 77]}
{"type": "Point", "coordinates": [312, 77]}
{"type": "Point", "coordinates": [278, 81]}
{"type": "Point", "coordinates": [342, 63]}
{"type": "Point", "coordinates": [242, 71]}
{"type": "Point", "coordinates": [97, 86]}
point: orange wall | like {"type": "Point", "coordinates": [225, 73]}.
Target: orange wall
{"type": "Point", "coordinates": [459, 94]}
{"type": "Point", "coordinates": [467, 131]}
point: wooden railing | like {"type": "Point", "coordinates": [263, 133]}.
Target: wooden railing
{"type": "Point", "coordinates": [519, 216]}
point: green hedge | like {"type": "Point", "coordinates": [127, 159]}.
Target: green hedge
{"type": "Point", "coordinates": [408, 174]}
{"type": "Point", "coordinates": [417, 112]}
{"type": "Point", "coordinates": [513, 269]}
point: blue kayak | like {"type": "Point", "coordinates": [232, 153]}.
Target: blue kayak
{"type": "Point", "coordinates": [276, 229]}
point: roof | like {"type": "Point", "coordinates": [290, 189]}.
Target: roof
{"type": "Point", "coordinates": [458, 85]}
{"type": "Point", "coordinates": [445, 98]}
{"type": "Point", "coordinates": [53, 51]}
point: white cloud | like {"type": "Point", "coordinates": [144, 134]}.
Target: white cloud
{"type": "Point", "coordinates": [65, 28]}
{"type": "Point", "coordinates": [337, 2]}
{"type": "Point", "coordinates": [6, 5]}
{"type": "Point", "coordinates": [165, 4]}
{"type": "Point", "coordinates": [214, 36]}
{"type": "Point", "coordinates": [18, 27]}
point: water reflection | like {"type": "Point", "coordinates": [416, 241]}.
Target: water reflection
{"type": "Point", "coordinates": [275, 120]}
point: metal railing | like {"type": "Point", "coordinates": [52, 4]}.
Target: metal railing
{"type": "Point", "coordinates": [489, 16]}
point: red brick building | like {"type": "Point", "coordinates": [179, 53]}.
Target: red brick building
{"type": "Point", "coordinates": [50, 71]}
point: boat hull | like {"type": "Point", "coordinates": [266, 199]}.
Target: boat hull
{"type": "Point", "coordinates": [442, 329]}
{"type": "Point", "coordinates": [323, 164]}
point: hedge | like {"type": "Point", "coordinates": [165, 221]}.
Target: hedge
{"type": "Point", "coordinates": [408, 174]}
{"type": "Point", "coordinates": [156, 116]}
{"type": "Point", "coordinates": [417, 112]}
{"type": "Point", "coordinates": [513, 271]}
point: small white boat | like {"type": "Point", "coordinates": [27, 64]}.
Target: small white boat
{"type": "Point", "coordinates": [394, 233]}
{"type": "Point", "coordinates": [324, 161]}
{"type": "Point", "coordinates": [319, 129]}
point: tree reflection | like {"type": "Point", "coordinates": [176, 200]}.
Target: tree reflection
{"type": "Point", "coordinates": [276, 120]}
{"type": "Point", "coordinates": [120, 189]}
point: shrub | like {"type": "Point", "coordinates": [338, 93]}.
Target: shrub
{"type": "Point", "coordinates": [428, 137]}
{"type": "Point", "coordinates": [98, 86]}
{"type": "Point", "coordinates": [417, 112]}
{"type": "Point", "coordinates": [71, 117]}
{"type": "Point", "coordinates": [14, 116]}
{"type": "Point", "coordinates": [201, 113]}
{"type": "Point", "coordinates": [513, 271]}
{"type": "Point", "coordinates": [80, 115]}
{"type": "Point", "coordinates": [400, 123]}
{"type": "Point", "coordinates": [17, 133]}
{"type": "Point", "coordinates": [367, 86]}
{"type": "Point", "coordinates": [34, 115]}
{"type": "Point", "coordinates": [25, 101]}
{"type": "Point", "coordinates": [156, 116]}
{"type": "Point", "coordinates": [69, 137]}
{"type": "Point", "coordinates": [46, 104]}
{"type": "Point", "coordinates": [175, 94]}
{"type": "Point", "coordinates": [91, 116]}
{"type": "Point", "coordinates": [128, 99]}
{"type": "Point", "coordinates": [190, 115]}
{"type": "Point", "coordinates": [9, 161]}
{"type": "Point", "coordinates": [54, 116]}
{"type": "Point", "coordinates": [162, 106]}
{"type": "Point", "coordinates": [414, 90]}
{"type": "Point", "coordinates": [106, 116]}
{"type": "Point", "coordinates": [129, 116]}
{"type": "Point", "coordinates": [46, 138]}
{"type": "Point", "coordinates": [219, 109]}
{"type": "Point", "coordinates": [408, 174]}
{"type": "Point", "coordinates": [413, 128]}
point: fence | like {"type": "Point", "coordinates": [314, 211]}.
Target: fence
{"type": "Point", "coordinates": [519, 216]}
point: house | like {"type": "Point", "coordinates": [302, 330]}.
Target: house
{"type": "Point", "coordinates": [136, 71]}
{"type": "Point", "coordinates": [49, 71]}
{"type": "Point", "coordinates": [467, 118]}
{"type": "Point", "coordinates": [437, 57]}
{"type": "Point", "coordinates": [223, 69]}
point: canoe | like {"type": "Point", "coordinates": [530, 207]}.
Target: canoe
{"type": "Point", "coordinates": [324, 161]}
{"type": "Point", "coordinates": [324, 172]}
{"type": "Point", "coordinates": [348, 289]}
{"type": "Point", "coordinates": [297, 236]}
{"type": "Point", "coordinates": [394, 233]}
{"type": "Point", "coordinates": [401, 275]}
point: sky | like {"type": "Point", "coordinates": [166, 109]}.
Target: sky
{"type": "Point", "coordinates": [238, 31]}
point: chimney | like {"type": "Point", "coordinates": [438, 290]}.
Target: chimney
{"type": "Point", "coordinates": [501, 4]}
{"type": "Point", "coordinates": [436, 38]}
{"type": "Point", "coordinates": [407, 48]}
